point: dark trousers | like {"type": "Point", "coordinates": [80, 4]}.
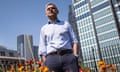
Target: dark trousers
{"type": "Point", "coordinates": [62, 63]}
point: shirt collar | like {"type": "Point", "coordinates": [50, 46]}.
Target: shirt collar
{"type": "Point", "coordinates": [55, 22]}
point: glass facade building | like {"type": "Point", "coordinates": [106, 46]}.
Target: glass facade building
{"type": "Point", "coordinates": [98, 24]}
{"type": "Point", "coordinates": [35, 51]}
{"type": "Point", "coordinates": [25, 46]}
{"type": "Point", "coordinates": [72, 21]}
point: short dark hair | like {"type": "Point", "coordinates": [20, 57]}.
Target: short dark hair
{"type": "Point", "coordinates": [50, 3]}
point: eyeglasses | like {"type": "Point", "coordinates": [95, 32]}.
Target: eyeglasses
{"type": "Point", "coordinates": [51, 8]}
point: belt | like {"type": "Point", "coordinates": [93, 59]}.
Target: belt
{"type": "Point", "coordinates": [61, 52]}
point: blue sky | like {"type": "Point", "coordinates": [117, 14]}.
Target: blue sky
{"type": "Point", "coordinates": [25, 17]}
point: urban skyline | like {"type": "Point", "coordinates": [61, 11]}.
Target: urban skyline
{"type": "Point", "coordinates": [97, 28]}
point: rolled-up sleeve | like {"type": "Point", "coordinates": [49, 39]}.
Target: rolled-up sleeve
{"type": "Point", "coordinates": [72, 34]}
{"type": "Point", "coordinates": [42, 45]}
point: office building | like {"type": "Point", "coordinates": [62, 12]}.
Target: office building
{"type": "Point", "coordinates": [7, 52]}
{"type": "Point", "coordinates": [25, 46]}
{"type": "Point", "coordinates": [72, 21]}
{"type": "Point", "coordinates": [98, 24]}
{"type": "Point", "coordinates": [35, 51]}
{"type": "Point", "coordinates": [8, 57]}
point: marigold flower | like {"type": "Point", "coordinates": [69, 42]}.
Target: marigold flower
{"type": "Point", "coordinates": [12, 68]}
{"type": "Point", "coordinates": [41, 68]}
{"type": "Point", "coordinates": [100, 63]}
{"type": "Point", "coordinates": [39, 63]}
{"type": "Point", "coordinates": [26, 69]}
{"type": "Point", "coordinates": [45, 69]}
{"type": "Point", "coordinates": [28, 62]}
{"type": "Point", "coordinates": [20, 68]}
{"type": "Point", "coordinates": [108, 66]}
{"type": "Point", "coordinates": [33, 69]}
{"type": "Point", "coordinates": [103, 67]}
{"type": "Point", "coordinates": [32, 61]}
{"type": "Point", "coordinates": [113, 68]}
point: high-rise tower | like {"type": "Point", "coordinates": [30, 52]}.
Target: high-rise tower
{"type": "Point", "coordinates": [98, 24]}
{"type": "Point", "coordinates": [25, 46]}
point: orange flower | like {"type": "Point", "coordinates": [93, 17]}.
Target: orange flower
{"type": "Point", "coordinates": [113, 68]}
{"type": "Point", "coordinates": [28, 62]}
{"type": "Point", "coordinates": [26, 69]}
{"type": "Point", "coordinates": [45, 69]}
{"type": "Point", "coordinates": [12, 68]}
{"type": "Point", "coordinates": [32, 61]}
{"type": "Point", "coordinates": [108, 66]}
{"type": "Point", "coordinates": [103, 67]}
{"type": "Point", "coordinates": [20, 67]}
{"type": "Point", "coordinates": [39, 63]}
{"type": "Point", "coordinates": [33, 69]}
{"type": "Point", "coordinates": [41, 68]}
{"type": "Point", "coordinates": [100, 63]}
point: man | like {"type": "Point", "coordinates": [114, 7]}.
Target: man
{"type": "Point", "coordinates": [58, 45]}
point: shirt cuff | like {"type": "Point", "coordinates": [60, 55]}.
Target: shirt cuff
{"type": "Point", "coordinates": [76, 55]}
{"type": "Point", "coordinates": [44, 54]}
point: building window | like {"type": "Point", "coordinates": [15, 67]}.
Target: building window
{"type": "Point", "coordinates": [2, 53]}
{"type": "Point", "coordinates": [11, 54]}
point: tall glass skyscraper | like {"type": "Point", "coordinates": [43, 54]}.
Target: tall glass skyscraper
{"type": "Point", "coordinates": [98, 24]}
{"type": "Point", "coordinates": [25, 46]}
{"type": "Point", "coordinates": [72, 21]}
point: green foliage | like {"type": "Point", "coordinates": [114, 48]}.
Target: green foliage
{"type": "Point", "coordinates": [1, 69]}
{"type": "Point", "coordinates": [81, 65]}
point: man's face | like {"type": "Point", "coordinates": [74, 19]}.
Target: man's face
{"type": "Point", "coordinates": [51, 11]}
